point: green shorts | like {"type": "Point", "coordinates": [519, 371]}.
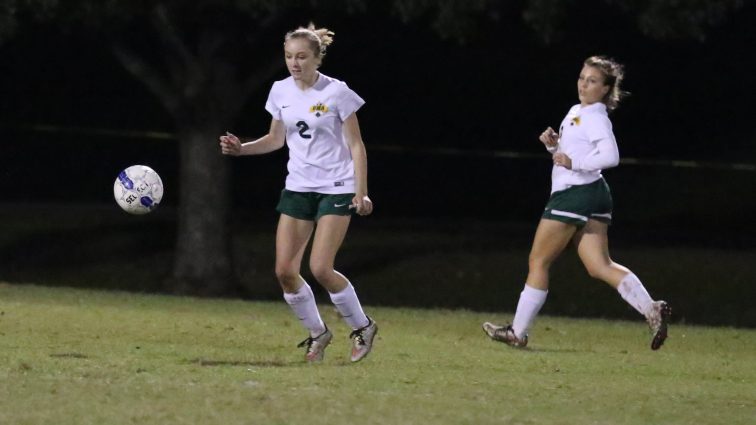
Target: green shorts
{"type": "Point", "coordinates": [577, 204]}
{"type": "Point", "coordinates": [313, 205]}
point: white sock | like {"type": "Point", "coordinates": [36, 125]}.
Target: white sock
{"type": "Point", "coordinates": [531, 301]}
{"type": "Point", "coordinates": [349, 307]}
{"type": "Point", "coordinates": [303, 304]}
{"type": "Point", "coordinates": [631, 289]}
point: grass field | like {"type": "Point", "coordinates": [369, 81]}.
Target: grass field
{"type": "Point", "coordinates": [75, 356]}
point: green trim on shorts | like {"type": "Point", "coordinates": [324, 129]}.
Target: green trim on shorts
{"type": "Point", "coordinates": [311, 206]}
{"type": "Point", "coordinates": [578, 204]}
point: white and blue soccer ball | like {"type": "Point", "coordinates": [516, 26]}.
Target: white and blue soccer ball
{"type": "Point", "coordinates": [138, 189]}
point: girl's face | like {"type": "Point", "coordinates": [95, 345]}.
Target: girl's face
{"type": "Point", "coordinates": [300, 59]}
{"type": "Point", "coordinates": [590, 85]}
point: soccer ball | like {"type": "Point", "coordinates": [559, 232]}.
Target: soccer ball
{"type": "Point", "coordinates": [138, 189]}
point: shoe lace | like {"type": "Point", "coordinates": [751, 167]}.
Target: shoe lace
{"type": "Point", "coordinates": [311, 340]}
{"type": "Point", "coordinates": [503, 332]}
{"type": "Point", "coordinates": [357, 336]}
{"type": "Point", "coordinates": [308, 342]}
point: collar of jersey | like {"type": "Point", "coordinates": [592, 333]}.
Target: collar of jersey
{"type": "Point", "coordinates": [598, 107]}
{"type": "Point", "coordinates": [315, 87]}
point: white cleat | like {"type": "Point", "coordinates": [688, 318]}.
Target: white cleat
{"type": "Point", "coordinates": [316, 346]}
{"type": "Point", "coordinates": [363, 340]}
{"type": "Point", "coordinates": [658, 320]}
{"type": "Point", "coordinates": [504, 334]}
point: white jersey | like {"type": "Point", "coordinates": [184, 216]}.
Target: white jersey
{"type": "Point", "coordinates": [586, 137]}
{"type": "Point", "coordinates": [319, 158]}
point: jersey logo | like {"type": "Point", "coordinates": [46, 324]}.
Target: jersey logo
{"type": "Point", "coordinates": [319, 109]}
{"type": "Point", "coordinates": [575, 121]}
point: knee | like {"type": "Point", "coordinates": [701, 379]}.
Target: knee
{"type": "Point", "coordinates": [596, 270]}
{"type": "Point", "coordinates": [288, 278]}
{"type": "Point", "coordinates": [538, 262]}
{"type": "Point", "coordinates": [593, 271]}
{"type": "Point", "coordinates": [320, 271]}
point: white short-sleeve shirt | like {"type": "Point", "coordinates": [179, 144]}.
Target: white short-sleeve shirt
{"type": "Point", "coordinates": [585, 136]}
{"type": "Point", "coordinates": [319, 158]}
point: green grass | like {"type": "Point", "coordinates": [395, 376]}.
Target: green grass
{"type": "Point", "coordinates": [74, 356]}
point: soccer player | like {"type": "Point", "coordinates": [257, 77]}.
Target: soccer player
{"type": "Point", "coordinates": [315, 115]}
{"type": "Point", "coordinates": [580, 207]}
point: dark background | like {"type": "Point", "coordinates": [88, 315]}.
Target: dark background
{"type": "Point", "coordinates": [690, 100]}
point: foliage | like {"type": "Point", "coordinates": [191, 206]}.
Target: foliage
{"type": "Point", "coordinates": [7, 19]}
{"type": "Point", "coordinates": [658, 19]}
{"type": "Point", "coordinates": [671, 19]}
{"type": "Point", "coordinates": [661, 19]}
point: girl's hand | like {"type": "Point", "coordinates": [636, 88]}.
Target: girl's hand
{"type": "Point", "coordinates": [230, 145]}
{"type": "Point", "coordinates": [562, 160]}
{"type": "Point", "coordinates": [362, 204]}
{"type": "Point", "coordinates": [549, 137]}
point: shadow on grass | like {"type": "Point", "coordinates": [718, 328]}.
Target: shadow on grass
{"type": "Point", "coordinates": [537, 350]}
{"type": "Point", "coordinates": [69, 356]}
{"type": "Point", "coordinates": [261, 363]}
{"type": "Point", "coordinates": [541, 350]}
{"type": "Point", "coordinates": [254, 363]}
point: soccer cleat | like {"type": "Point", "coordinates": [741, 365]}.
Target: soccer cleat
{"type": "Point", "coordinates": [316, 346]}
{"type": "Point", "coordinates": [362, 340]}
{"type": "Point", "coordinates": [504, 334]}
{"type": "Point", "coordinates": [658, 319]}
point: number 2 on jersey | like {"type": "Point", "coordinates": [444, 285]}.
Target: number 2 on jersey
{"type": "Point", "coordinates": [303, 127]}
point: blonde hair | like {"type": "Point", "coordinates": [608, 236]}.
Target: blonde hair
{"type": "Point", "coordinates": [319, 38]}
{"type": "Point", "coordinates": [613, 73]}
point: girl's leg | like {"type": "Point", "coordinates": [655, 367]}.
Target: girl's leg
{"type": "Point", "coordinates": [592, 245]}
{"type": "Point", "coordinates": [329, 236]}
{"type": "Point", "coordinates": [550, 239]}
{"type": "Point", "coordinates": [291, 240]}
{"type": "Point", "coordinates": [593, 248]}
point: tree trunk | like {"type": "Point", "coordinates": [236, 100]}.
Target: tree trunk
{"type": "Point", "coordinates": [202, 264]}
{"type": "Point", "coordinates": [204, 94]}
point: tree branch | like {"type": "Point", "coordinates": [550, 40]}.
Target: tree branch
{"type": "Point", "coordinates": [264, 73]}
{"type": "Point", "coordinates": [169, 35]}
{"type": "Point", "coordinates": [272, 67]}
{"type": "Point", "coordinates": [145, 73]}
{"type": "Point", "coordinates": [184, 66]}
